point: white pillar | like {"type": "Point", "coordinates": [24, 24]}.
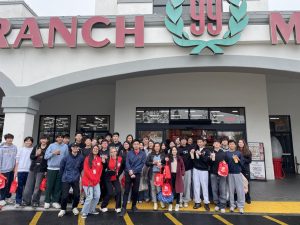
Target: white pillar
{"type": "Point", "coordinates": [19, 117]}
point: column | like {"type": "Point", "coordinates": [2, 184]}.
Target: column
{"type": "Point", "coordinates": [19, 116]}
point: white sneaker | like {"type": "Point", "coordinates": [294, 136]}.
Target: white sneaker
{"type": "Point", "coordinates": [177, 207]}
{"type": "Point", "coordinates": [185, 205]}
{"type": "Point", "coordinates": [231, 209]}
{"type": "Point", "coordinates": [10, 201]}
{"type": "Point", "coordinates": [94, 213]}
{"type": "Point", "coordinates": [118, 210]}
{"type": "Point", "coordinates": [241, 211]}
{"type": "Point", "coordinates": [170, 208]}
{"type": "Point", "coordinates": [56, 205]}
{"type": "Point", "coordinates": [217, 208]}
{"type": "Point", "coordinates": [83, 216]}
{"type": "Point", "coordinates": [155, 206]}
{"type": "Point", "coordinates": [162, 205]}
{"type": "Point", "coordinates": [75, 211]}
{"type": "Point", "coordinates": [180, 205]}
{"type": "Point", "coordinates": [17, 206]}
{"type": "Point", "coordinates": [61, 213]}
{"type": "Point", "coordinates": [46, 205]}
{"type": "Point", "coordinates": [222, 210]}
{"type": "Point", "coordinates": [104, 210]}
{"type": "Point", "coordinates": [2, 203]}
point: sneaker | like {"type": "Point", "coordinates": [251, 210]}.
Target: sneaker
{"type": "Point", "coordinates": [196, 206]}
{"type": "Point", "coordinates": [170, 208]}
{"type": "Point", "coordinates": [94, 213]}
{"type": "Point", "coordinates": [140, 202]}
{"type": "Point", "coordinates": [231, 209]}
{"type": "Point", "coordinates": [180, 205]}
{"type": "Point", "coordinates": [35, 205]}
{"type": "Point", "coordinates": [241, 211]}
{"type": "Point", "coordinates": [162, 205]}
{"type": "Point", "coordinates": [10, 201]}
{"type": "Point", "coordinates": [134, 208]}
{"type": "Point", "coordinates": [222, 210]}
{"type": "Point", "coordinates": [206, 206]}
{"type": "Point", "coordinates": [3, 203]}
{"type": "Point", "coordinates": [155, 207]}
{"type": "Point", "coordinates": [17, 205]}
{"type": "Point", "coordinates": [61, 213]}
{"type": "Point", "coordinates": [217, 208]}
{"type": "Point", "coordinates": [81, 201]}
{"type": "Point", "coordinates": [103, 210]}
{"type": "Point", "coordinates": [46, 205]}
{"type": "Point", "coordinates": [56, 205]}
{"type": "Point", "coordinates": [118, 210]}
{"type": "Point", "coordinates": [83, 216]}
{"type": "Point", "coordinates": [128, 202]}
{"type": "Point", "coordinates": [147, 200]}
{"type": "Point", "coordinates": [122, 213]}
{"type": "Point", "coordinates": [177, 207]}
{"type": "Point", "coordinates": [185, 205]}
{"type": "Point", "coordinates": [75, 211]}
{"type": "Point", "coordinates": [248, 201]}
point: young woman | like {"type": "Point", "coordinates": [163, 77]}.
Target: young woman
{"type": "Point", "coordinates": [177, 142]}
{"type": "Point", "coordinates": [37, 171]}
{"type": "Point", "coordinates": [150, 147]}
{"type": "Point", "coordinates": [22, 168]}
{"type": "Point", "coordinates": [113, 167]}
{"type": "Point", "coordinates": [164, 148]}
{"type": "Point", "coordinates": [90, 181]}
{"type": "Point", "coordinates": [126, 148]}
{"type": "Point", "coordinates": [155, 161]}
{"type": "Point", "coordinates": [144, 187]}
{"type": "Point", "coordinates": [177, 172]}
{"type": "Point", "coordinates": [247, 156]}
{"type": "Point", "coordinates": [129, 139]}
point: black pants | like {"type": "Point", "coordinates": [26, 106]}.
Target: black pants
{"type": "Point", "coordinates": [65, 194]}
{"type": "Point", "coordinates": [134, 184]}
{"type": "Point", "coordinates": [4, 192]}
{"type": "Point", "coordinates": [102, 187]}
{"type": "Point", "coordinates": [113, 189]}
{"type": "Point", "coordinates": [176, 195]}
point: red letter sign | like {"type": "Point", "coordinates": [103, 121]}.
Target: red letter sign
{"type": "Point", "coordinates": [87, 31]}
{"type": "Point", "coordinates": [138, 32]}
{"type": "Point", "coordinates": [5, 29]}
{"type": "Point", "coordinates": [57, 25]}
{"type": "Point", "coordinates": [284, 29]}
{"type": "Point", "coordinates": [34, 35]}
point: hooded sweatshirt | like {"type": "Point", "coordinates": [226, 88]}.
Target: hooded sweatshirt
{"type": "Point", "coordinates": [7, 157]}
{"type": "Point", "coordinates": [54, 160]}
{"type": "Point", "coordinates": [23, 159]}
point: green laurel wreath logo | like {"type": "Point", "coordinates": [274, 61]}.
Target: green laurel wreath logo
{"type": "Point", "coordinates": [237, 23]}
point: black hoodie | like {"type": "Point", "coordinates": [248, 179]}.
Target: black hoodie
{"type": "Point", "coordinates": [184, 152]}
{"type": "Point", "coordinates": [202, 163]}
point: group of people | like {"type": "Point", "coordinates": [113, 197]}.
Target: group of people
{"type": "Point", "coordinates": [94, 171]}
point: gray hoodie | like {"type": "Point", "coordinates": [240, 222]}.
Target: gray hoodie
{"type": "Point", "coordinates": [7, 157]}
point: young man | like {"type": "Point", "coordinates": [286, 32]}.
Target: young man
{"type": "Point", "coordinates": [235, 178]}
{"type": "Point", "coordinates": [70, 170]}
{"type": "Point", "coordinates": [108, 137]}
{"type": "Point", "coordinates": [66, 139]}
{"type": "Point", "coordinates": [104, 154]}
{"type": "Point", "coordinates": [116, 142]}
{"type": "Point", "coordinates": [224, 144]}
{"type": "Point", "coordinates": [184, 152]}
{"type": "Point", "coordinates": [200, 158]}
{"type": "Point", "coordinates": [218, 183]}
{"type": "Point", "coordinates": [135, 162]}
{"type": "Point", "coordinates": [87, 148]}
{"type": "Point", "coordinates": [8, 153]}
{"type": "Point", "coordinates": [54, 154]}
{"type": "Point", "coordinates": [78, 141]}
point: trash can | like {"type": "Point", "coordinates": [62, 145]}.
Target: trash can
{"type": "Point", "coordinates": [277, 162]}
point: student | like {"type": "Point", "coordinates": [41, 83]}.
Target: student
{"type": "Point", "coordinates": [144, 187]}
{"type": "Point", "coordinates": [38, 169]}
{"type": "Point", "coordinates": [129, 139]}
{"type": "Point", "coordinates": [22, 168]}
{"type": "Point", "coordinates": [224, 144]}
{"type": "Point", "coordinates": [108, 137]}
{"type": "Point", "coordinates": [218, 183]}
{"type": "Point", "coordinates": [234, 159]}
{"type": "Point", "coordinates": [126, 148]}
{"type": "Point", "coordinates": [79, 141]}
{"type": "Point", "coordinates": [8, 153]}
{"type": "Point", "coordinates": [87, 147]}
{"type": "Point", "coordinates": [146, 142]}
{"type": "Point", "coordinates": [247, 158]}
{"type": "Point", "coordinates": [70, 170]}
{"type": "Point", "coordinates": [178, 142]}
{"type": "Point", "coordinates": [155, 161]}
{"type": "Point", "coordinates": [94, 142]}
{"type": "Point", "coordinates": [190, 142]}
{"type": "Point", "coordinates": [177, 172]}
{"type": "Point", "coordinates": [66, 139]}
{"type": "Point", "coordinates": [92, 171]}
{"type": "Point", "coordinates": [150, 147]}
{"type": "Point", "coordinates": [184, 152]}
{"type": "Point", "coordinates": [116, 142]}
{"type": "Point", "coordinates": [104, 154]}
{"type": "Point", "coordinates": [200, 158]}
{"type": "Point", "coordinates": [135, 162]}
{"type": "Point", "coordinates": [54, 154]}
{"type": "Point", "coordinates": [113, 168]}
{"type": "Point", "coordinates": [164, 148]}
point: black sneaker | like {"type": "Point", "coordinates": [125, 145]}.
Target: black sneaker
{"type": "Point", "coordinates": [134, 208]}
{"type": "Point", "coordinates": [248, 201]}
{"type": "Point", "coordinates": [206, 206]}
{"type": "Point", "coordinates": [24, 204]}
{"type": "Point", "coordinates": [197, 206]}
{"type": "Point", "coordinates": [122, 213]}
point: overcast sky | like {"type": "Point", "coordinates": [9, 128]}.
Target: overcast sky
{"type": "Point", "coordinates": [87, 7]}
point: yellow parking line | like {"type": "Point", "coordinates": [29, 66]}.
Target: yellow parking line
{"type": "Point", "coordinates": [275, 220]}
{"type": "Point", "coordinates": [173, 219]}
{"type": "Point", "coordinates": [220, 218]}
{"type": "Point", "coordinates": [80, 220]}
{"type": "Point", "coordinates": [36, 218]}
{"type": "Point", "coordinates": [128, 220]}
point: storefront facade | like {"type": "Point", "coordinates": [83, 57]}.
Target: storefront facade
{"type": "Point", "coordinates": [158, 89]}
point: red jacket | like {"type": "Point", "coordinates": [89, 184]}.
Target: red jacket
{"type": "Point", "coordinates": [91, 176]}
{"type": "Point", "coordinates": [111, 165]}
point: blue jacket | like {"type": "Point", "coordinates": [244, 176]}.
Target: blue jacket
{"type": "Point", "coordinates": [54, 160]}
{"type": "Point", "coordinates": [234, 168]}
{"type": "Point", "coordinates": [135, 162]}
{"type": "Point", "coordinates": [71, 167]}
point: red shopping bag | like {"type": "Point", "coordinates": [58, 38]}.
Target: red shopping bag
{"type": "Point", "coordinates": [13, 187]}
{"type": "Point", "coordinates": [158, 179]}
{"type": "Point", "coordinates": [167, 171]}
{"type": "Point", "coordinates": [43, 184]}
{"type": "Point", "coordinates": [123, 181]}
{"type": "Point", "coordinates": [166, 189]}
{"type": "Point", "coordinates": [223, 169]}
{"type": "Point", "coordinates": [2, 181]}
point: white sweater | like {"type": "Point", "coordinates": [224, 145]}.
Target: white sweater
{"type": "Point", "coordinates": [23, 159]}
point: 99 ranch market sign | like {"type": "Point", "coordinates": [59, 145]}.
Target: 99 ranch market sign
{"type": "Point", "coordinates": [200, 12]}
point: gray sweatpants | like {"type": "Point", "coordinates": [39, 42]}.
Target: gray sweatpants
{"type": "Point", "coordinates": [187, 180]}
{"type": "Point", "coordinates": [236, 184]}
{"type": "Point", "coordinates": [218, 185]}
{"type": "Point", "coordinates": [32, 192]}
{"type": "Point", "coordinates": [154, 189]}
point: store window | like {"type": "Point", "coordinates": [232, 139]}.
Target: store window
{"type": "Point", "coordinates": [1, 126]}
{"type": "Point", "coordinates": [93, 126]}
{"type": "Point", "coordinates": [198, 114]}
{"type": "Point", "coordinates": [227, 115]}
{"type": "Point", "coordinates": [152, 115]}
{"type": "Point", "coordinates": [179, 114]}
{"type": "Point", "coordinates": [54, 125]}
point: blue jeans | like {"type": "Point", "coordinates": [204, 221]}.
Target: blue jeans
{"type": "Point", "coordinates": [92, 198]}
{"type": "Point", "coordinates": [22, 178]}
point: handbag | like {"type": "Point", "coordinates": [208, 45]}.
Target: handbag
{"type": "Point", "coordinates": [167, 171]}
{"type": "Point", "coordinates": [158, 179]}
{"type": "Point", "coordinates": [13, 187]}
{"type": "Point", "coordinates": [223, 169]}
{"type": "Point", "coordinates": [245, 183]}
{"type": "Point", "coordinates": [2, 181]}
{"type": "Point", "coordinates": [43, 184]}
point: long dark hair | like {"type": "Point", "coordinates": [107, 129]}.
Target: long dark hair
{"type": "Point", "coordinates": [91, 156]}
{"type": "Point", "coordinates": [171, 155]}
{"type": "Point", "coordinates": [245, 150]}
{"type": "Point", "coordinates": [153, 151]}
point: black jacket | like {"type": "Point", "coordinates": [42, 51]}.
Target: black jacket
{"type": "Point", "coordinates": [149, 162]}
{"type": "Point", "coordinates": [38, 163]}
{"type": "Point", "coordinates": [246, 165]}
{"type": "Point", "coordinates": [202, 163]}
{"type": "Point", "coordinates": [184, 152]}
{"type": "Point", "coordinates": [214, 165]}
